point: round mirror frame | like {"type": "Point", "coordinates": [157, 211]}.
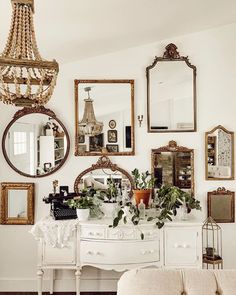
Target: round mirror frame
{"type": "Point", "coordinates": [103, 163]}
{"type": "Point", "coordinates": [35, 110]}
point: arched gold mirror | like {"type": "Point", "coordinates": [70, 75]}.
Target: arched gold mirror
{"type": "Point", "coordinates": [171, 88]}
{"type": "Point", "coordinates": [219, 154]}
{"type": "Point", "coordinates": [98, 175]}
{"type": "Point", "coordinates": [35, 143]}
{"type": "Point", "coordinates": [173, 165]}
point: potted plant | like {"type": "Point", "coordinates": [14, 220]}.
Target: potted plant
{"type": "Point", "coordinates": [85, 205]}
{"type": "Point", "coordinates": [109, 198]}
{"type": "Point", "coordinates": [143, 184]}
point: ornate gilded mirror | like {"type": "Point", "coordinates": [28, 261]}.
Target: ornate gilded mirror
{"type": "Point", "coordinates": [104, 117]}
{"type": "Point", "coordinates": [17, 203]}
{"type": "Point", "coordinates": [219, 154]}
{"type": "Point", "coordinates": [173, 165]}
{"type": "Point", "coordinates": [98, 175]}
{"type": "Point", "coordinates": [171, 93]}
{"type": "Point", "coordinates": [35, 143]}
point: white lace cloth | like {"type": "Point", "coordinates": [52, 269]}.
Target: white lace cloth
{"type": "Point", "coordinates": [57, 233]}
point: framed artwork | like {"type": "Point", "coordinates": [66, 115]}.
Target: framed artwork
{"type": "Point", "coordinates": [112, 124]}
{"type": "Point", "coordinates": [81, 139]}
{"type": "Point", "coordinates": [112, 136]}
{"type": "Point", "coordinates": [96, 143]}
{"type": "Point", "coordinates": [220, 205]}
{"type": "Point", "coordinates": [112, 148]}
{"type": "Point", "coordinates": [82, 148]}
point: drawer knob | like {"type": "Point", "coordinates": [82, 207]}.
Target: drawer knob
{"type": "Point", "coordinates": [91, 233]}
{"type": "Point", "coordinates": [90, 253]}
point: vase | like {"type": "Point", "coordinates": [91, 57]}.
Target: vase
{"type": "Point", "coordinates": [108, 209]}
{"type": "Point", "coordinates": [83, 214]}
{"type": "Point", "coordinates": [142, 194]}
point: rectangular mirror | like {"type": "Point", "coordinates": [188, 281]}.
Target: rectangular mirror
{"type": "Point", "coordinates": [173, 165]}
{"type": "Point", "coordinates": [220, 205]}
{"type": "Point", "coordinates": [104, 117]}
{"type": "Point", "coordinates": [17, 203]}
{"type": "Point", "coordinates": [219, 154]}
{"type": "Point", "coordinates": [171, 88]}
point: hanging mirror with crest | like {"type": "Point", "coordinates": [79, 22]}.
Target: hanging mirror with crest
{"type": "Point", "coordinates": [171, 93]}
{"type": "Point", "coordinates": [173, 165]}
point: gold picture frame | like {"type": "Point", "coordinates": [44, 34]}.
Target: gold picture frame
{"type": "Point", "coordinates": [28, 217]}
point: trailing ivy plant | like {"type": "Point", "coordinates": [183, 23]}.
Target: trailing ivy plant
{"type": "Point", "coordinates": [167, 200]}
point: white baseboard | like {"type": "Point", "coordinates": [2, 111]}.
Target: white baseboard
{"type": "Point", "coordinates": [64, 285]}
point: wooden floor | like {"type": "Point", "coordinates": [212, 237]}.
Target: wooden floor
{"type": "Point", "coordinates": [58, 293]}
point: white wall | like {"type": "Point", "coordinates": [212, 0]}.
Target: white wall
{"type": "Point", "coordinates": [213, 52]}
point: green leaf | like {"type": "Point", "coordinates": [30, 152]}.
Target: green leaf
{"type": "Point", "coordinates": [116, 222]}
{"type": "Point", "coordinates": [142, 236]}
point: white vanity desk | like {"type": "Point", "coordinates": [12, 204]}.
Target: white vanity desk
{"type": "Point", "coordinates": [93, 243]}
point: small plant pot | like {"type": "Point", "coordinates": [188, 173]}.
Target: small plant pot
{"type": "Point", "coordinates": [83, 214]}
{"type": "Point", "coordinates": [142, 194]}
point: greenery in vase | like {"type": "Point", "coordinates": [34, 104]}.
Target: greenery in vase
{"type": "Point", "coordinates": [110, 194]}
{"type": "Point", "coordinates": [142, 180]}
{"type": "Point", "coordinates": [170, 198]}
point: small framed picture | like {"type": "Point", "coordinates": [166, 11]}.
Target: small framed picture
{"type": "Point", "coordinates": [112, 136]}
{"type": "Point", "coordinates": [112, 124]}
{"type": "Point", "coordinates": [81, 138]}
{"type": "Point", "coordinates": [82, 148]}
{"type": "Point", "coordinates": [112, 148]}
{"type": "Point", "coordinates": [96, 143]}
{"type": "Point", "coordinates": [220, 205]}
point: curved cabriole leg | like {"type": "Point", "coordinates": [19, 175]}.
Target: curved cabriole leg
{"type": "Point", "coordinates": [40, 281]}
{"type": "Point", "coordinates": [77, 281]}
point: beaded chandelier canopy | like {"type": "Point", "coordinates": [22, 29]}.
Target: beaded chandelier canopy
{"type": "Point", "coordinates": [89, 125]}
{"type": "Point", "coordinates": [25, 78]}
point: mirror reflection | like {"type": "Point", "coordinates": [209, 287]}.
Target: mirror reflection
{"type": "Point", "coordinates": [171, 89]}
{"type": "Point", "coordinates": [103, 175]}
{"type": "Point", "coordinates": [35, 144]}
{"type": "Point", "coordinates": [219, 154]}
{"type": "Point", "coordinates": [104, 117]}
{"type": "Point", "coordinates": [173, 165]}
{"type": "Point", "coordinates": [17, 203]}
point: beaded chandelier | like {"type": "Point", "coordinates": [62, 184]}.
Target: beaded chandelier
{"type": "Point", "coordinates": [89, 125]}
{"type": "Point", "coordinates": [25, 78]}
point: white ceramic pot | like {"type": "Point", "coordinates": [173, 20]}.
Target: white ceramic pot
{"type": "Point", "coordinates": [83, 214]}
{"type": "Point", "coordinates": [108, 209]}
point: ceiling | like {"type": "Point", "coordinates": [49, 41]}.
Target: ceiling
{"type": "Point", "coordinates": [69, 30]}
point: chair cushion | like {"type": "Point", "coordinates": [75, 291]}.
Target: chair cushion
{"type": "Point", "coordinates": [226, 280]}
{"type": "Point", "coordinates": [151, 282]}
{"type": "Point", "coordinates": [199, 282]}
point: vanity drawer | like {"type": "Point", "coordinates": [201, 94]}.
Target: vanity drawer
{"type": "Point", "coordinates": [55, 256]}
{"type": "Point", "coordinates": [119, 252]}
{"type": "Point", "coordinates": [89, 232]}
